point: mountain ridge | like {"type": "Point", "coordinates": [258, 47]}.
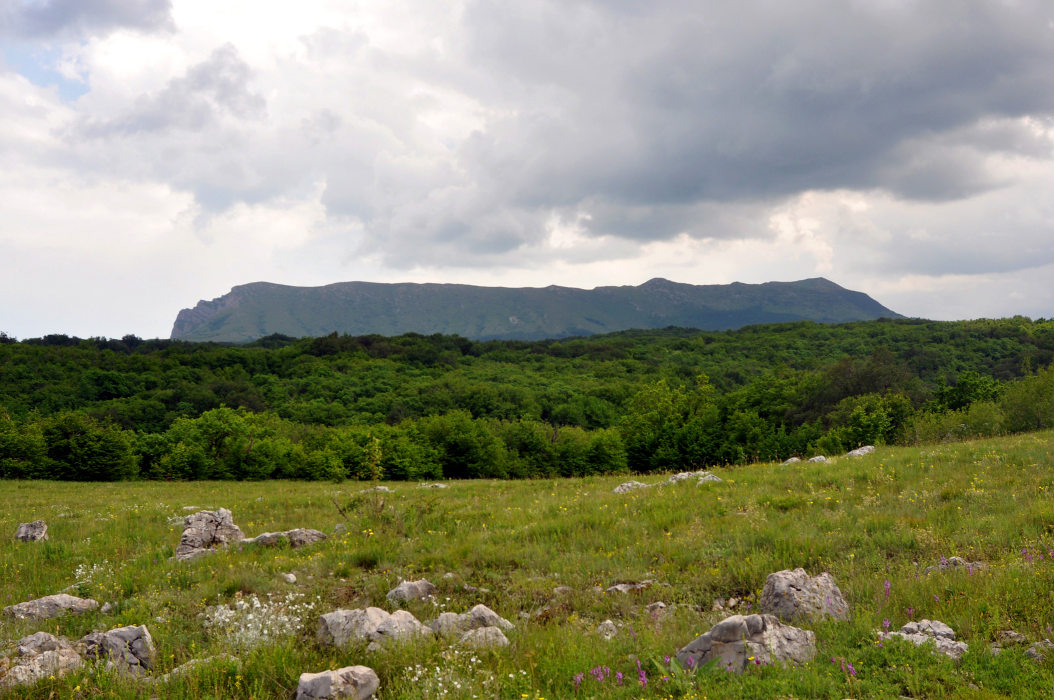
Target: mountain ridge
{"type": "Point", "coordinates": [253, 310]}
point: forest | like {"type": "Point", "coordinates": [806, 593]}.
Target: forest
{"type": "Point", "coordinates": [419, 407]}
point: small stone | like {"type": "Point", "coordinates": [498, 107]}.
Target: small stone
{"type": "Point", "coordinates": [39, 656]}
{"type": "Point", "coordinates": [629, 486]}
{"type": "Point", "coordinates": [348, 683]}
{"type": "Point", "coordinates": [607, 630]}
{"type": "Point", "coordinates": [629, 587]}
{"type": "Point", "coordinates": [1038, 651]}
{"type": "Point", "coordinates": [732, 602]}
{"type": "Point", "coordinates": [108, 608]}
{"type": "Point", "coordinates": [708, 479]}
{"type": "Point", "coordinates": [1010, 637]}
{"type": "Point", "coordinates": [955, 564]}
{"type": "Point", "coordinates": [433, 486]}
{"type": "Point", "coordinates": [36, 531]}
{"type": "Point", "coordinates": [563, 590]}
{"type": "Point", "coordinates": [818, 459]}
{"type": "Point", "coordinates": [861, 451]}
{"type": "Point", "coordinates": [339, 528]}
{"type": "Point", "coordinates": [656, 608]}
{"type": "Point", "coordinates": [288, 578]}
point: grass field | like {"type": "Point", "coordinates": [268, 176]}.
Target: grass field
{"type": "Point", "coordinates": [866, 520]}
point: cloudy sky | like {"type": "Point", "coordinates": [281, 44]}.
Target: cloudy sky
{"type": "Point", "coordinates": [158, 152]}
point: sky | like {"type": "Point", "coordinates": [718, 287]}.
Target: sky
{"type": "Point", "coordinates": [158, 152]}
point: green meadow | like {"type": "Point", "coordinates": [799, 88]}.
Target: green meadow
{"type": "Point", "coordinates": [869, 520]}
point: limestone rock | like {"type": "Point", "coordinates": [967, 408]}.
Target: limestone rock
{"type": "Point", "coordinates": [702, 475]}
{"type": "Point", "coordinates": [35, 531]}
{"type": "Point", "coordinates": [955, 564]}
{"type": "Point", "coordinates": [350, 682]}
{"type": "Point", "coordinates": [734, 640]}
{"type": "Point", "coordinates": [861, 451]}
{"type": "Point", "coordinates": [656, 608]}
{"type": "Point", "coordinates": [204, 530]}
{"type": "Point", "coordinates": [380, 489]}
{"type": "Point", "coordinates": [128, 649]}
{"type": "Point", "coordinates": [924, 631]}
{"type": "Point", "coordinates": [288, 578]}
{"type": "Point", "coordinates": [484, 638]}
{"type": "Point", "coordinates": [630, 587]}
{"type": "Point", "coordinates": [792, 460]}
{"type": "Point", "coordinates": [708, 478]}
{"type": "Point", "coordinates": [1038, 651]}
{"type": "Point", "coordinates": [449, 624]}
{"type": "Point", "coordinates": [38, 656]}
{"type": "Point", "coordinates": [1010, 637]}
{"type": "Point", "coordinates": [433, 486]}
{"type": "Point", "coordinates": [51, 606]}
{"type": "Point", "coordinates": [629, 486]}
{"type": "Point", "coordinates": [411, 590]}
{"type": "Point", "coordinates": [818, 459]}
{"type": "Point", "coordinates": [607, 630]}
{"type": "Point", "coordinates": [794, 595]}
{"type": "Point", "coordinates": [297, 537]}
{"type": "Point", "coordinates": [342, 627]}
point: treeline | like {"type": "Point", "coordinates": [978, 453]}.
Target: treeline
{"type": "Point", "coordinates": [416, 407]}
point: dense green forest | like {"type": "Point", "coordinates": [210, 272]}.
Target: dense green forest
{"type": "Point", "coordinates": [417, 407]}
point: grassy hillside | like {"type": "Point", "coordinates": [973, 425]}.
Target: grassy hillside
{"type": "Point", "coordinates": [869, 520]}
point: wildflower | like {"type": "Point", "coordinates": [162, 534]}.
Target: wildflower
{"type": "Point", "coordinates": [887, 588]}
{"type": "Point", "coordinates": [578, 678]}
{"type": "Point", "coordinates": [885, 624]}
{"type": "Point", "coordinates": [911, 613]}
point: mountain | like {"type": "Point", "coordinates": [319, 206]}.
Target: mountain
{"type": "Point", "coordinates": [251, 311]}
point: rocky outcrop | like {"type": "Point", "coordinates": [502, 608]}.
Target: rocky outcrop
{"type": "Point", "coordinates": [350, 682]}
{"type": "Point", "coordinates": [923, 631]}
{"type": "Point", "coordinates": [411, 590]}
{"type": "Point", "coordinates": [51, 606]}
{"type": "Point", "coordinates": [128, 649]}
{"type": "Point", "coordinates": [740, 640]}
{"type": "Point", "coordinates": [39, 656]}
{"type": "Point", "coordinates": [298, 537]}
{"type": "Point", "coordinates": [36, 531]}
{"type": "Point", "coordinates": [794, 595]}
{"type": "Point", "coordinates": [450, 624]}
{"type": "Point", "coordinates": [861, 451]}
{"type": "Point", "coordinates": [342, 627]}
{"type": "Point", "coordinates": [205, 530]}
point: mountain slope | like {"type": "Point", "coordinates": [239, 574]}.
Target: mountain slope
{"type": "Point", "coordinates": [254, 310]}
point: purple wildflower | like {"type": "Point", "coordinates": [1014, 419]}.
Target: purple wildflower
{"type": "Point", "coordinates": [642, 676]}
{"type": "Point", "coordinates": [887, 586]}
{"type": "Point", "coordinates": [619, 677]}
{"type": "Point", "coordinates": [885, 624]}
{"type": "Point", "coordinates": [578, 678]}
{"type": "Point", "coordinates": [911, 613]}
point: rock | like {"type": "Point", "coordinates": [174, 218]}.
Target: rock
{"type": "Point", "coordinates": [794, 595]}
{"type": "Point", "coordinates": [342, 627]}
{"type": "Point", "coordinates": [298, 537]}
{"type": "Point", "coordinates": [737, 638]}
{"type": "Point", "coordinates": [339, 528]}
{"type": "Point", "coordinates": [433, 486]}
{"type": "Point", "coordinates": [655, 609]}
{"type": "Point", "coordinates": [629, 587]}
{"type": "Point", "coordinates": [411, 590]}
{"type": "Point", "coordinates": [818, 459]}
{"type": "Point", "coordinates": [708, 479]}
{"type": "Point", "coordinates": [51, 606]}
{"type": "Point", "coordinates": [288, 578]}
{"type": "Point", "coordinates": [35, 531]}
{"type": "Point", "coordinates": [449, 624]}
{"type": "Point", "coordinates": [108, 608]}
{"type": "Point", "coordinates": [1038, 651]}
{"type": "Point", "coordinates": [629, 486]}
{"type": "Point", "coordinates": [204, 530]}
{"type": "Point", "coordinates": [685, 476]}
{"type": "Point", "coordinates": [861, 451]}
{"type": "Point", "coordinates": [484, 638]}
{"type": "Point", "coordinates": [924, 631]}
{"type": "Point", "coordinates": [732, 603]}
{"type": "Point", "coordinates": [474, 589]}
{"type": "Point", "coordinates": [385, 489]}
{"type": "Point", "coordinates": [792, 460]}
{"type": "Point", "coordinates": [607, 630]}
{"type": "Point", "coordinates": [191, 507]}
{"type": "Point", "coordinates": [39, 656]}
{"type": "Point", "coordinates": [563, 590]}
{"type": "Point", "coordinates": [1010, 637]}
{"type": "Point", "coordinates": [955, 564]}
{"type": "Point", "coordinates": [127, 649]}
{"type": "Point", "coordinates": [351, 682]}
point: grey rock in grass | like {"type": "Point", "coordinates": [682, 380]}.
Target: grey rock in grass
{"type": "Point", "coordinates": [468, 588]}
{"type": "Point", "coordinates": [955, 564]}
{"type": "Point", "coordinates": [818, 459]}
{"type": "Point", "coordinates": [205, 530]}
{"type": "Point", "coordinates": [655, 609]}
{"type": "Point", "coordinates": [484, 638]}
{"type": "Point", "coordinates": [108, 608]}
{"type": "Point", "coordinates": [922, 631]}
{"type": "Point", "coordinates": [702, 475]}
{"type": "Point", "coordinates": [1038, 651]}
{"type": "Point", "coordinates": [127, 649]}
{"type": "Point", "coordinates": [708, 478]}
{"type": "Point", "coordinates": [433, 486]}
{"type": "Point", "coordinates": [385, 489]}
{"type": "Point", "coordinates": [629, 486]}
{"type": "Point", "coordinates": [1010, 637]}
{"type": "Point", "coordinates": [339, 528]}
{"type": "Point", "coordinates": [348, 683]}
{"type": "Point", "coordinates": [861, 451]}
{"type": "Point", "coordinates": [607, 630]}
{"type": "Point", "coordinates": [39, 656]}
{"type": "Point", "coordinates": [342, 627]}
{"type": "Point", "coordinates": [51, 606]}
{"type": "Point", "coordinates": [563, 590]}
{"type": "Point", "coordinates": [740, 640]}
{"type": "Point", "coordinates": [288, 578]}
{"type": "Point", "coordinates": [792, 595]}
{"type": "Point", "coordinates": [411, 590]}
{"type": "Point", "coordinates": [449, 624]}
{"type": "Point", "coordinates": [297, 537]}
{"type": "Point", "coordinates": [631, 587]}
{"type": "Point", "coordinates": [36, 531]}
{"type": "Point", "coordinates": [792, 460]}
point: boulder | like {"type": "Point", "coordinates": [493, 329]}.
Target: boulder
{"type": "Point", "coordinates": [350, 682]}
{"type": "Point", "coordinates": [792, 460]}
{"type": "Point", "coordinates": [205, 530]}
{"type": "Point", "coordinates": [629, 486]}
{"type": "Point", "coordinates": [740, 640]}
{"type": "Point", "coordinates": [607, 630]}
{"type": "Point", "coordinates": [39, 656]}
{"type": "Point", "coordinates": [922, 631]}
{"type": "Point", "coordinates": [35, 531]}
{"type": "Point", "coordinates": [955, 564]}
{"type": "Point", "coordinates": [708, 478]}
{"type": "Point", "coordinates": [794, 595]}
{"type": "Point", "coordinates": [342, 627]}
{"type": "Point", "coordinates": [411, 590]}
{"type": "Point", "coordinates": [818, 459]}
{"type": "Point", "coordinates": [449, 624]}
{"type": "Point", "coordinates": [861, 451]}
{"type": "Point", "coordinates": [484, 638]}
{"type": "Point", "coordinates": [127, 649]}
{"type": "Point", "coordinates": [51, 606]}
{"type": "Point", "coordinates": [296, 538]}
{"type": "Point", "coordinates": [1010, 637]}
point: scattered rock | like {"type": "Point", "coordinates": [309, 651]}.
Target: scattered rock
{"type": "Point", "coordinates": [607, 630]}
{"type": "Point", "coordinates": [629, 587]}
{"type": "Point", "coordinates": [51, 606]}
{"type": "Point", "coordinates": [794, 595]}
{"type": "Point", "coordinates": [297, 537]}
{"type": "Point", "coordinates": [1010, 637]}
{"type": "Point", "coordinates": [108, 608]}
{"type": "Point", "coordinates": [818, 459]}
{"type": "Point", "coordinates": [563, 590]}
{"type": "Point", "coordinates": [449, 624]}
{"type": "Point", "coordinates": [39, 656]}
{"type": "Point", "coordinates": [629, 486]}
{"type": "Point", "coordinates": [792, 460]}
{"type": "Point", "coordinates": [736, 639]}
{"type": "Point", "coordinates": [288, 578]}
{"type": "Point", "coordinates": [385, 489]}
{"type": "Point", "coordinates": [861, 451]}
{"type": "Point", "coordinates": [484, 638]}
{"type": "Point", "coordinates": [204, 530]}
{"type": "Point", "coordinates": [1038, 651]}
{"type": "Point", "coordinates": [474, 589]}
{"type": "Point", "coordinates": [191, 507]}
{"type": "Point", "coordinates": [655, 609]}
{"type": "Point", "coordinates": [433, 486]}
{"type": "Point", "coordinates": [719, 604]}
{"type": "Point", "coordinates": [342, 627]}
{"type": "Point", "coordinates": [350, 682]}
{"type": "Point", "coordinates": [708, 478]}
{"type": "Point", "coordinates": [35, 531]}
{"type": "Point", "coordinates": [955, 564]}
{"type": "Point", "coordinates": [128, 649]}
{"type": "Point", "coordinates": [411, 590]}
{"type": "Point", "coordinates": [924, 631]}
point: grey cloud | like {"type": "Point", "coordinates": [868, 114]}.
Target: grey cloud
{"type": "Point", "coordinates": [50, 18]}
